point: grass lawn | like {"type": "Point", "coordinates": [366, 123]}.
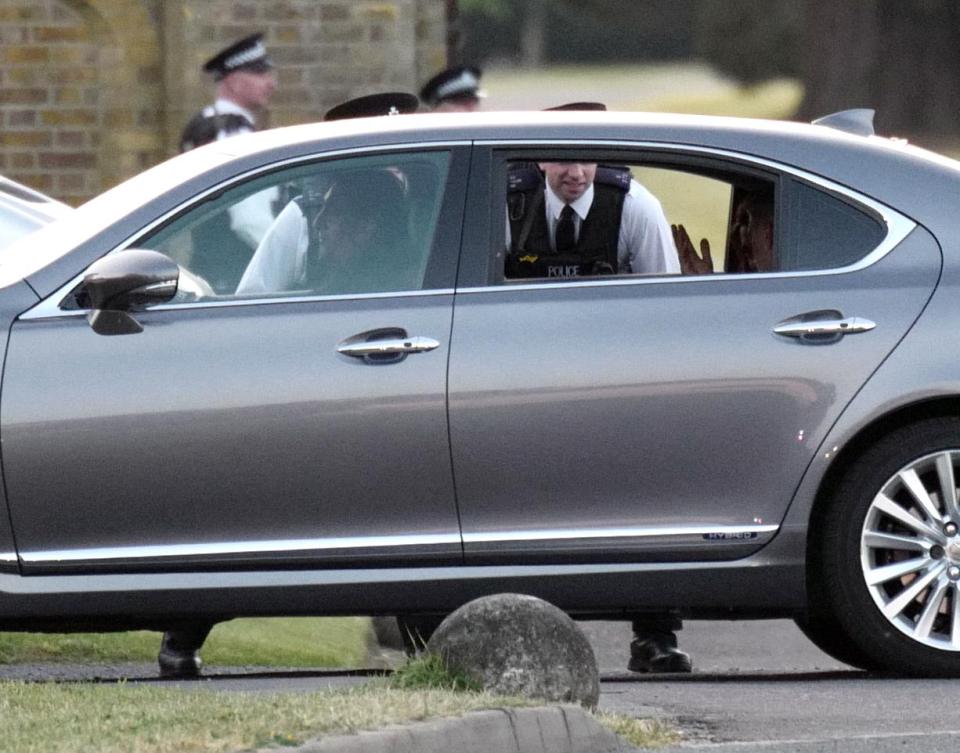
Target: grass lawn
{"type": "Point", "coordinates": [673, 87]}
{"type": "Point", "coordinates": [279, 642]}
{"type": "Point", "coordinates": [139, 719]}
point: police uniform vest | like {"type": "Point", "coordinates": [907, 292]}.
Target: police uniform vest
{"type": "Point", "coordinates": [595, 253]}
{"type": "Point", "coordinates": [204, 128]}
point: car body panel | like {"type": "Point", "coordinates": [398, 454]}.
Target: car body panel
{"type": "Point", "coordinates": [254, 439]}
{"type": "Point", "coordinates": [920, 376]}
{"type": "Point", "coordinates": [24, 211]}
{"type": "Point", "coordinates": [645, 408]}
{"type": "Point", "coordinates": [13, 301]}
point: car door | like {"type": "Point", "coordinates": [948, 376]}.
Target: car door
{"type": "Point", "coordinates": [667, 417]}
{"type": "Point", "coordinates": [286, 423]}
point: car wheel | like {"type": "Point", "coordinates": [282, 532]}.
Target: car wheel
{"type": "Point", "coordinates": [889, 552]}
{"type": "Point", "coordinates": [827, 635]}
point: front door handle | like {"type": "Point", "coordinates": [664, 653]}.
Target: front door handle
{"type": "Point", "coordinates": [383, 346]}
{"type": "Point", "coordinates": [389, 346]}
{"type": "Point", "coordinates": [821, 327]}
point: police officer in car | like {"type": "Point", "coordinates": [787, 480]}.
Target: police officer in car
{"type": "Point", "coordinates": [579, 219]}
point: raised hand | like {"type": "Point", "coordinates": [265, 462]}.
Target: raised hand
{"type": "Point", "coordinates": [690, 262]}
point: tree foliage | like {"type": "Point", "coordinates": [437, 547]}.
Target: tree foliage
{"type": "Point", "coordinates": [576, 31]}
{"type": "Point", "coordinates": [896, 56]}
{"type": "Point", "coordinates": [750, 40]}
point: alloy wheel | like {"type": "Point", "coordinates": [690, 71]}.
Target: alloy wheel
{"type": "Point", "coordinates": [910, 550]}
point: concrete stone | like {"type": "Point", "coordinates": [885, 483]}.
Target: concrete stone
{"type": "Point", "coordinates": [514, 644]}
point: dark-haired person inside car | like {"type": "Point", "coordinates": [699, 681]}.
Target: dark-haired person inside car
{"type": "Point", "coordinates": [751, 244]}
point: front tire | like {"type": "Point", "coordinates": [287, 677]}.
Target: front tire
{"type": "Point", "coordinates": [887, 560]}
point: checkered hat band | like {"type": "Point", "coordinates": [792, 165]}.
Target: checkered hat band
{"type": "Point", "coordinates": [463, 83]}
{"type": "Point", "coordinates": [244, 57]}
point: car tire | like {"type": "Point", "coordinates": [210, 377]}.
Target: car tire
{"type": "Point", "coordinates": [887, 557]}
{"type": "Point", "coordinates": [827, 635]}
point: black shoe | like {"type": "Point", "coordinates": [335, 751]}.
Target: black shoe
{"type": "Point", "coordinates": [178, 662]}
{"type": "Point", "coordinates": [652, 655]}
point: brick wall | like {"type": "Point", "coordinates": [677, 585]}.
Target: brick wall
{"type": "Point", "coordinates": [93, 91]}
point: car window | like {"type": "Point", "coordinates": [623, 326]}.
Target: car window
{"type": "Point", "coordinates": [633, 219]}
{"type": "Point", "coordinates": [338, 227]}
{"type": "Point", "coordinates": [825, 231]}
{"type": "Point", "coordinates": [652, 217]}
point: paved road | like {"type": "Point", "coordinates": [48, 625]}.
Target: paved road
{"type": "Point", "coordinates": [761, 686]}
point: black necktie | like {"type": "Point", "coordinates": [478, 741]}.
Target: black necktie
{"type": "Point", "coordinates": [566, 236]}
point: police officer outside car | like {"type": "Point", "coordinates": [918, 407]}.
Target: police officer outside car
{"type": "Point", "coordinates": [455, 89]}
{"type": "Point", "coordinates": [581, 219]}
{"type": "Point", "coordinates": [223, 244]}
{"type": "Point", "coordinates": [584, 219]}
{"type": "Point", "coordinates": [245, 83]}
{"type": "Point", "coordinates": [291, 252]}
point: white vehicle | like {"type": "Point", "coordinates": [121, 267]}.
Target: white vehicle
{"type": "Point", "coordinates": [23, 210]}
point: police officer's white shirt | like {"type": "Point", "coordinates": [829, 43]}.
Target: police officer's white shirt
{"type": "Point", "coordinates": [645, 244]}
{"type": "Point", "coordinates": [280, 259]}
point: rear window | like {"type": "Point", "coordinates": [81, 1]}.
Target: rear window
{"type": "Point", "coordinates": [826, 232]}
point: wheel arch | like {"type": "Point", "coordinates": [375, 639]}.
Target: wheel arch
{"type": "Point", "coordinates": [936, 407]}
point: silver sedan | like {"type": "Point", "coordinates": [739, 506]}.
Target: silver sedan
{"type": "Point", "coordinates": [357, 367]}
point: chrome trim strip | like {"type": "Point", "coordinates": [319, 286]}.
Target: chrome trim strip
{"type": "Point", "coordinates": [48, 310]}
{"type": "Point", "coordinates": [49, 307]}
{"type": "Point", "coordinates": [618, 533]}
{"type": "Point", "coordinates": [8, 557]}
{"type": "Point", "coordinates": [723, 533]}
{"type": "Point", "coordinates": [238, 548]}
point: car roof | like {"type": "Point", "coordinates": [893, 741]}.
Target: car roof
{"type": "Point", "coordinates": [546, 124]}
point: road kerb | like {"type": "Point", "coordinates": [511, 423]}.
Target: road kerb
{"type": "Point", "coordinates": [548, 729]}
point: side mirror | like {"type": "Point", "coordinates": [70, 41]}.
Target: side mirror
{"type": "Point", "coordinates": [127, 281]}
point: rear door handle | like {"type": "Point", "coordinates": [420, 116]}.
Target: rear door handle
{"type": "Point", "coordinates": [383, 346]}
{"type": "Point", "coordinates": [821, 327]}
